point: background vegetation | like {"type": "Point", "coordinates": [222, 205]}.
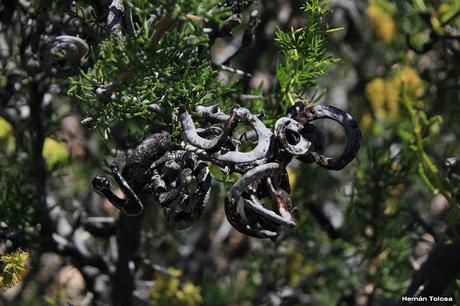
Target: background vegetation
{"type": "Point", "coordinates": [385, 226]}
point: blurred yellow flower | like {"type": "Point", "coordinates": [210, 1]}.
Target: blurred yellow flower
{"type": "Point", "coordinates": [6, 129]}
{"type": "Point", "coordinates": [7, 140]}
{"type": "Point", "coordinates": [392, 90]}
{"type": "Point", "coordinates": [410, 78]}
{"type": "Point", "coordinates": [168, 290]}
{"type": "Point", "coordinates": [366, 121]}
{"type": "Point", "coordinates": [15, 266]}
{"type": "Point", "coordinates": [384, 94]}
{"type": "Point", "coordinates": [444, 8]}
{"type": "Point", "coordinates": [382, 23]}
{"type": "Point", "coordinates": [375, 92]}
{"type": "Point", "coordinates": [54, 152]}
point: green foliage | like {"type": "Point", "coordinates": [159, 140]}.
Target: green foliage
{"type": "Point", "coordinates": [304, 54]}
{"type": "Point", "coordinates": [421, 126]}
{"type": "Point", "coordinates": [166, 61]}
{"type": "Point", "coordinates": [16, 192]}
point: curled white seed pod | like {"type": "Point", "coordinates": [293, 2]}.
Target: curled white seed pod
{"type": "Point", "coordinates": [191, 135]}
{"type": "Point", "coordinates": [236, 192]}
{"type": "Point", "coordinates": [262, 149]}
{"type": "Point", "coordinates": [285, 124]}
{"type": "Point", "coordinates": [212, 112]}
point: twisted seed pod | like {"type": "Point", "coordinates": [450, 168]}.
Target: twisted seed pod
{"type": "Point", "coordinates": [352, 132]}
{"type": "Point", "coordinates": [192, 203]}
{"type": "Point", "coordinates": [153, 167]}
{"type": "Point", "coordinates": [235, 193]}
{"type": "Point", "coordinates": [63, 53]}
{"type": "Point", "coordinates": [74, 47]}
{"type": "Point", "coordinates": [284, 125]}
{"type": "Point", "coordinates": [212, 112]}
{"type": "Point", "coordinates": [190, 133]}
{"type": "Point", "coordinates": [264, 141]}
{"type": "Point", "coordinates": [240, 114]}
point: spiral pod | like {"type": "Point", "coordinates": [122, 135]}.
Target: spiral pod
{"type": "Point", "coordinates": [253, 218]}
{"type": "Point", "coordinates": [213, 146]}
{"type": "Point", "coordinates": [289, 134]}
{"type": "Point", "coordinates": [352, 132]}
{"type": "Point", "coordinates": [131, 205]}
{"type": "Point", "coordinates": [133, 178]}
{"type": "Point", "coordinates": [180, 181]}
{"type": "Point", "coordinates": [63, 54]}
{"type": "Point", "coordinates": [191, 134]}
{"type": "Point", "coordinates": [182, 207]}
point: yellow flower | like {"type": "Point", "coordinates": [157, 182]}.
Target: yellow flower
{"type": "Point", "coordinates": [168, 290]}
{"type": "Point", "coordinates": [192, 294]}
{"type": "Point", "coordinates": [382, 23]}
{"type": "Point", "coordinates": [392, 90]}
{"type": "Point", "coordinates": [7, 140]}
{"type": "Point", "coordinates": [410, 78]}
{"type": "Point", "coordinates": [366, 121]}
{"type": "Point", "coordinates": [15, 266]}
{"type": "Point", "coordinates": [444, 8]}
{"type": "Point", "coordinates": [384, 94]}
{"type": "Point", "coordinates": [375, 92]}
{"type": "Point", "coordinates": [54, 152]}
{"type": "Point", "coordinates": [6, 129]}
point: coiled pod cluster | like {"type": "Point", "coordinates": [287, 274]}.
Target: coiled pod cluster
{"type": "Point", "coordinates": [158, 167]}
